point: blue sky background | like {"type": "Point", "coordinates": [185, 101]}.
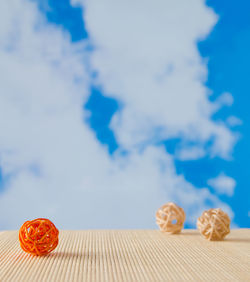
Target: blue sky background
{"type": "Point", "coordinates": [227, 50]}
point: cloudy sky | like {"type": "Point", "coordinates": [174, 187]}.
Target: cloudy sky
{"type": "Point", "coordinates": [109, 109]}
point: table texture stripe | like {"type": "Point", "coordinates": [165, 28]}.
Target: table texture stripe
{"type": "Point", "coordinates": [129, 255]}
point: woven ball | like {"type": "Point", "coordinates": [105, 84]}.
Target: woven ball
{"type": "Point", "coordinates": [38, 237]}
{"type": "Point", "coordinates": [214, 224]}
{"type": "Point", "coordinates": [170, 218]}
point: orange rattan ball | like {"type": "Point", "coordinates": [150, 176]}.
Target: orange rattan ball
{"type": "Point", "coordinates": [170, 218]}
{"type": "Point", "coordinates": [214, 224]}
{"type": "Point", "coordinates": [38, 237]}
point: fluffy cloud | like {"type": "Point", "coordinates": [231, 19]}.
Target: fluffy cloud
{"type": "Point", "coordinates": [190, 153]}
{"type": "Point", "coordinates": [146, 56]}
{"type": "Point", "coordinates": [223, 184]}
{"type": "Point", "coordinates": [52, 164]}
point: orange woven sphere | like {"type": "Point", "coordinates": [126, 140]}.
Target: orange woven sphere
{"type": "Point", "coordinates": [38, 237]}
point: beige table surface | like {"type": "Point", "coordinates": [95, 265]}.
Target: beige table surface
{"type": "Point", "coordinates": [129, 255]}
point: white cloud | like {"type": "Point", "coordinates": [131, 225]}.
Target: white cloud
{"type": "Point", "coordinates": [52, 164]}
{"type": "Point", "coordinates": [146, 56]}
{"type": "Point", "coordinates": [190, 153]}
{"type": "Point", "coordinates": [223, 184]}
{"type": "Point", "coordinates": [234, 121]}
{"type": "Point", "coordinates": [225, 99]}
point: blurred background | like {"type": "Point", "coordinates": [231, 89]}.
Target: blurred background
{"type": "Point", "coordinates": [109, 109]}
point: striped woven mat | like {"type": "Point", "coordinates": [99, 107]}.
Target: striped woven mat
{"type": "Point", "coordinates": [129, 255]}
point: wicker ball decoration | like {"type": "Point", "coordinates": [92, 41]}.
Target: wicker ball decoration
{"type": "Point", "coordinates": [214, 224]}
{"type": "Point", "coordinates": [167, 214]}
{"type": "Point", "coordinates": [38, 237]}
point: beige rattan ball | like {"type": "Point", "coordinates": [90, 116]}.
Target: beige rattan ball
{"type": "Point", "coordinates": [214, 224]}
{"type": "Point", "coordinates": [167, 214]}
